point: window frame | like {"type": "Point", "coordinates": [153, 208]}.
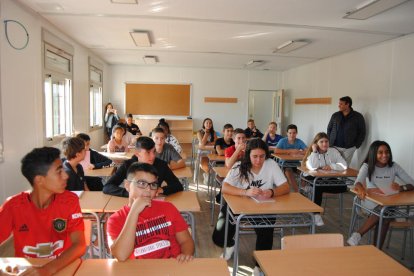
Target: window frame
{"type": "Point", "coordinates": [56, 74]}
{"type": "Point", "coordinates": [95, 84]}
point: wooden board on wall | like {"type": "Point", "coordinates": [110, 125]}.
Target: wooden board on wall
{"type": "Point", "coordinates": [158, 99]}
{"type": "Point", "coordinates": [314, 101]}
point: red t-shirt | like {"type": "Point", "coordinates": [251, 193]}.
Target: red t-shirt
{"type": "Point", "coordinates": [155, 230]}
{"type": "Point", "coordinates": [230, 151]}
{"type": "Point", "coordinates": [40, 233]}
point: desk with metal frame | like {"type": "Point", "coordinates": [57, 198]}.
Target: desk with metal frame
{"type": "Point", "coordinates": [220, 174]}
{"type": "Point", "coordinates": [23, 263]}
{"type": "Point", "coordinates": [291, 210]}
{"type": "Point", "coordinates": [350, 260]}
{"type": "Point", "coordinates": [201, 267]}
{"type": "Point", "coordinates": [183, 174]}
{"type": "Point", "coordinates": [201, 151]}
{"type": "Point", "coordinates": [400, 205]}
{"type": "Point", "coordinates": [94, 203]}
{"type": "Point", "coordinates": [326, 178]}
{"type": "Point", "coordinates": [288, 160]}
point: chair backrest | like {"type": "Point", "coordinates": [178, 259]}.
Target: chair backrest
{"type": "Point", "coordinates": [312, 241]}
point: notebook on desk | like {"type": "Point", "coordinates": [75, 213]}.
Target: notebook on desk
{"type": "Point", "coordinates": [262, 199]}
{"type": "Point", "coordinates": [383, 191]}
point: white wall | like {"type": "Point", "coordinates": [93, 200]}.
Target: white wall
{"type": "Point", "coordinates": [205, 83]}
{"type": "Point", "coordinates": [21, 92]}
{"type": "Point", "coordinates": [380, 81]}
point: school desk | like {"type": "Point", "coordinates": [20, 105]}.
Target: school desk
{"type": "Point", "coordinates": [118, 156]}
{"type": "Point", "coordinates": [288, 160]}
{"type": "Point", "coordinates": [103, 172]}
{"type": "Point", "coordinates": [153, 267]}
{"type": "Point", "coordinates": [183, 174]}
{"type": "Point", "coordinates": [350, 260]}
{"type": "Point", "coordinates": [291, 210]}
{"type": "Point", "coordinates": [213, 161]}
{"type": "Point", "coordinates": [201, 151]}
{"type": "Point", "coordinates": [186, 202]}
{"type": "Point", "coordinates": [23, 263]}
{"type": "Point", "coordinates": [400, 205]}
{"type": "Point", "coordinates": [221, 173]}
{"type": "Point", "coordinates": [94, 202]}
{"type": "Point", "coordinates": [326, 178]}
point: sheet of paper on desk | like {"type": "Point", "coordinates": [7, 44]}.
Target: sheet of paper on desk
{"type": "Point", "coordinates": [329, 171]}
{"type": "Point", "coordinates": [384, 192]}
{"type": "Point", "coordinates": [78, 193]}
{"type": "Point", "coordinates": [261, 199]}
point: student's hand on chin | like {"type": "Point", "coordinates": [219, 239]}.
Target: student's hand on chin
{"type": "Point", "coordinates": [182, 258]}
{"type": "Point", "coordinates": [141, 202]}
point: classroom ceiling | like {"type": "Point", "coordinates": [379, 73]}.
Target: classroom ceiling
{"type": "Point", "coordinates": [222, 33]}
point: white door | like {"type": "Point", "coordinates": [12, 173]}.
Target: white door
{"type": "Point", "coordinates": [264, 108]}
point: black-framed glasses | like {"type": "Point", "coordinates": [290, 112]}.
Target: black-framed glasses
{"type": "Point", "coordinates": [144, 184]}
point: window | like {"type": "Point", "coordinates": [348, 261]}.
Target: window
{"type": "Point", "coordinates": [57, 92]}
{"type": "Point", "coordinates": [95, 97]}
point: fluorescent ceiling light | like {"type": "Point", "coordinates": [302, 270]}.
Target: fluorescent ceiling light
{"type": "Point", "coordinates": [150, 59]}
{"type": "Point", "coordinates": [290, 46]}
{"type": "Point", "coordinates": [124, 1]}
{"type": "Point", "coordinates": [371, 8]}
{"type": "Point", "coordinates": [141, 38]}
{"type": "Point", "coordinates": [254, 63]}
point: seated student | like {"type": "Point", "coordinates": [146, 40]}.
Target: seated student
{"type": "Point", "coordinates": [256, 175]}
{"type": "Point", "coordinates": [46, 222]}
{"type": "Point", "coordinates": [251, 131]}
{"type": "Point", "coordinates": [320, 156]}
{"type": "Point", "coordinates": [74, 150]}
{"type": "Point", "coordinates": [165, 151]}
{"type": "Point", "coordinates": [128, 137]}
{"type": "Point", "coordinates": [147, 228]}
{"type": "Point", "coordinates": [236, 152]}
{"type": "Point", "coordinates": [226, 141]}
{"type": "Point", "coordinates": [170, 139]}
{"type": "Point", "coordinates": [206, 135]}
{"type": "Point", "coordinates": [144, 153]}
{"type": "Point", "coordinates": [93, 160]}
{"type": "Point", "coordinates": [131, 127]}
{"type": "Point", "coordinates": [378, 170]}
{"type": "Point", "coordinates": [270, 136]}
{"type": "Point", "coordinates": [117, 143]}
{"type": "Point", "coordinates": [291, 145]}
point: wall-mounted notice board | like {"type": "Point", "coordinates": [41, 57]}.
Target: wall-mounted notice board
{"type": "Point", "coordinates": [158, 99]}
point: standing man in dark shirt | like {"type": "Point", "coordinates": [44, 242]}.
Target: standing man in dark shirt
{"type": "Point", "coordinates": [346, 129]}
{"type": "Point", "coordinates": [131, 127]}
{"type": "Point", "coordinates": [144, 153]}
{"type": "Point", "coordinates": [251, 131]}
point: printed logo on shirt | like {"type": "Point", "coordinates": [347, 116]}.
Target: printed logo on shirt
{"type": "Point", "coordinates": [257, 183]}
{"type": "Point", "coordinates": [76, 215]}
{"type": "Point", "coordinates": [151, 247]}
{"type": "Point", "coordinates": [43, 250]}
{"type": "Point", "coordinates": [23, 228]}
{"type": "Point", "coordinates": [59, 224]}
{"type": "Point", "coordinates": [152, 237]}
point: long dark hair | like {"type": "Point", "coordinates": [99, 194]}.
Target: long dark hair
{"type": "Point", "coordinates": [246, 164]}
{"type": "Point", "coordinates": [371, 158]}
{"type": "Point", "coordinates": [211, 130]}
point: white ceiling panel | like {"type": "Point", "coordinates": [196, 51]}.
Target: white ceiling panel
{"type": "Point", "coordinates": [222, 34]}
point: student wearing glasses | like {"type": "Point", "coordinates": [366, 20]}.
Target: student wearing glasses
{"type": "Point", "coordinates": [148, 228]}
{"type": "Point", "coordinates": [144, 153]}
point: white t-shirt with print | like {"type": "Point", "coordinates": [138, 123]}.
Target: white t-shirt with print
{"type": "Point", "coordinates": [269, 176]}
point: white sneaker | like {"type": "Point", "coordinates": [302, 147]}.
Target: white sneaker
{"type": "Point", "coordinates": [229, 253]}
{"type": "Point", "coordinates": [319, 220]}
{"type": "Point", "coordinates": [354, 239]}
{"type": "Point", "coordinates": [257, 271]}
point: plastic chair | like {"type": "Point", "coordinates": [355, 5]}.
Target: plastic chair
{"type": "Point", "coordinates": [312, 241]}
